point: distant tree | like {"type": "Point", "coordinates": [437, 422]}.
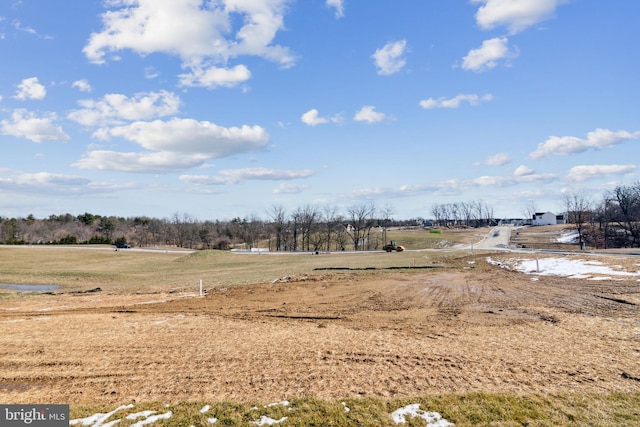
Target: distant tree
{"type": "Point", "coordinates": [627, 199]}
{"type": "Point", "coordinates": [580, 212]}
{"type": "Point", "coordinates": [69, 239]}
{"type": "Point", "coordinates": [385, 219]}
{"type": "Point", "coordinates": [278, 217]}
{"type": "Point", "coordinates": [333, 228]}
{"type": "Point", "coordinates": [530, 209]}
{"type": "Point", "coordinates": [106, 227]}
{"type": "Point", "coordinates": [87, 218]}
{"type": "Point", "coordinates": [360, 222]}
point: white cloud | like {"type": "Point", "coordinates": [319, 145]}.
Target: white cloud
{"type": "Point", "coordinates": [523, 170]}
{"type": "Point", "coordinates": [471, 99]}
{"type": "Point", "coordinates": [114, 108]}
{"type": "Point", "coordinates": [198, 32]}
{"type": "Point", "coordinates": [488, 55]}
{"type": "Point", "coordinates": [82, 85]}
{"type": "Point", "coordinates": [151, 73]}
{"type": "Point", "coordinates": [338, 5]}
{"type": "Point", "coordinates": [516, 15]}
{"type": "Point", "coordinates": [45, 179]}
{"type": "Point", "coordinates": [25, 124]}
{"type": "Point", "coordinates": [510, 180]}
{"type": "Point", "coordinates": [290, 189]}
{"type": "Point", "coordinates": [600, 138]}
{"type": "Point", "coordinates": [234, 176]}
{"type": "Point", "coordinates": [583, 173]}
{"type": "Point", "coordinates": [389, 59]}
{"type": "Point", "coordinates": [495, 160]}
{"type": "Point", "coordinates": [369, 115]}
{"type": "Point", "coordinates": [143, 162]}
{"type": "Point", "coordinates": [190, 136]}
{"type": "Point", "coordinates": [312, 118]}
{"type": "Point", "coordinates": [214, 77]}
{"type": "Point", "coordinates": [30, 89]}
{"type": "Point", "coordinates": [454, 186]}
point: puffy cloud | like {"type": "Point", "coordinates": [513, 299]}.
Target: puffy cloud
{"type": "Point", "coordinates": [234, 176]}
{"type": "Point", "coordinates": [144, 162]}
{"type": "Point", "coordinates": [523, 170]}
{"type": "Point", "coordinates": [516, 15]}
{"type": "Point", "coordinates": [389, 59]}
{"type": "Point", "coordinates": [600, 138]}
{"type": "Point", "coordinates": [214, 77]}
{"type": "Point", "coordinates": [583, 173]}
{"type": "Point", "coordinates": [172, 145]}
{"type": "Point", "coordinates": [495, 160]}
{"type": "Point", "coordinates": [25, 124]}
{"type": "Point", "coordinates": [338, 5]}
{"type": "Point", "coordinates": [30, 89]}
{"type": "Point", "coordinates": [195, 30]}
{"type": "Point", "coordinates": [114, 108]}
{"type": "Point", "coordinates": [312, 118]}
{"type": "Point", "coordinates": [82, 85]}
{"type": "Point", "coordinates": [487, 56]}
{"type": "Point", "coordinates": [192, 137]}
{"type": "Point", "coordinates": [455, 102]}
{"type": "Point", "coordinates": [369, 115]}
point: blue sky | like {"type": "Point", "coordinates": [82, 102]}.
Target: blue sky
{"type": "Point", "coordinates": [226, 108]}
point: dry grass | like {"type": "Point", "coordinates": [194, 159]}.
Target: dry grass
{"type": "Point", "coordinates": [480, 345]}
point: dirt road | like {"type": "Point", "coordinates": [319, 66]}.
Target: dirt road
{"type": "Point", "coordinates": [467, 327]}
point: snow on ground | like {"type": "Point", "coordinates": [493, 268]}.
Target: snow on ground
{"type": "Point", "coordinates": [573, 268]}
{"type": "Point", "coordinates": [433, 419]}
{"type": "Point", "coordinates": [399, 416]}
{"type": "Point", "coordinates": [570, 237]}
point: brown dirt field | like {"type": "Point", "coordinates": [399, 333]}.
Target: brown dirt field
{"type": "Point", "coordinates": [404, 333]}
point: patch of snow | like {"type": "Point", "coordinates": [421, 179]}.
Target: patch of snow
{"type": "Point", "coordinates": [433, 419]}
{"type": "Point", "coordinates": [570, 237]}
{"type": "Point", "coordinates": [145, 414]}
{"type": "Point", "coordinates": [573, 268]}
{"type": "Point", "coordinates": [153, 419]}
{"type": "Point", "coordinates": [205, 409]}
{"type": "Point", "coordinates": [212, 420]}
{"type": "Point", "coordinates": [283, 403]}
{"type": "Point", "coordinates": [266, 421]}
{"type": "Point", "coordinates": [97, 420]}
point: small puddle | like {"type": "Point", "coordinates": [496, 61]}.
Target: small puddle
{"type": "Point", "coordinates": [29, 288]}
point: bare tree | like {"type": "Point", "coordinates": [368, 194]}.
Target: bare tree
{"type": "Point", "coordinates": [309, 216]}
{"type": "Point", "coordinates": [580, 211]}
{"type": "Point", "coordinates": [279, 224]}
{"type": "Point", "coordinates": [360, 223]}
{"type": "Point", "coordinates": [627, 199]}
{"type": "Point", "coordinates": [332, 220]}
{"type": "Point", "coordinates": [385, 213]}
{"type": "Point", "coordinates": [530, 209]}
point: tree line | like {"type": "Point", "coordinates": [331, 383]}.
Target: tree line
{"type": "Point", "coordinates": [306, 228]}
{"type": "Point", "coordinates": [468, 214]}
{"type": "Point", "coordinates": [611, 222]}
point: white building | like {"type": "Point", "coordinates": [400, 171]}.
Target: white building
{"type": "Point", "coordinates": [547, 218]}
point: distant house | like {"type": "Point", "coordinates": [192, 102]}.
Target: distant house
{"type": "Point", "coordinates": [546, 218]}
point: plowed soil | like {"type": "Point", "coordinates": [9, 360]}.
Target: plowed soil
{"type": "Point", "coordinates": [474, 327]}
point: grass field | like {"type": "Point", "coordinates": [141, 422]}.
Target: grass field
{"type": "Point", "coordinates": [483, 346]}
